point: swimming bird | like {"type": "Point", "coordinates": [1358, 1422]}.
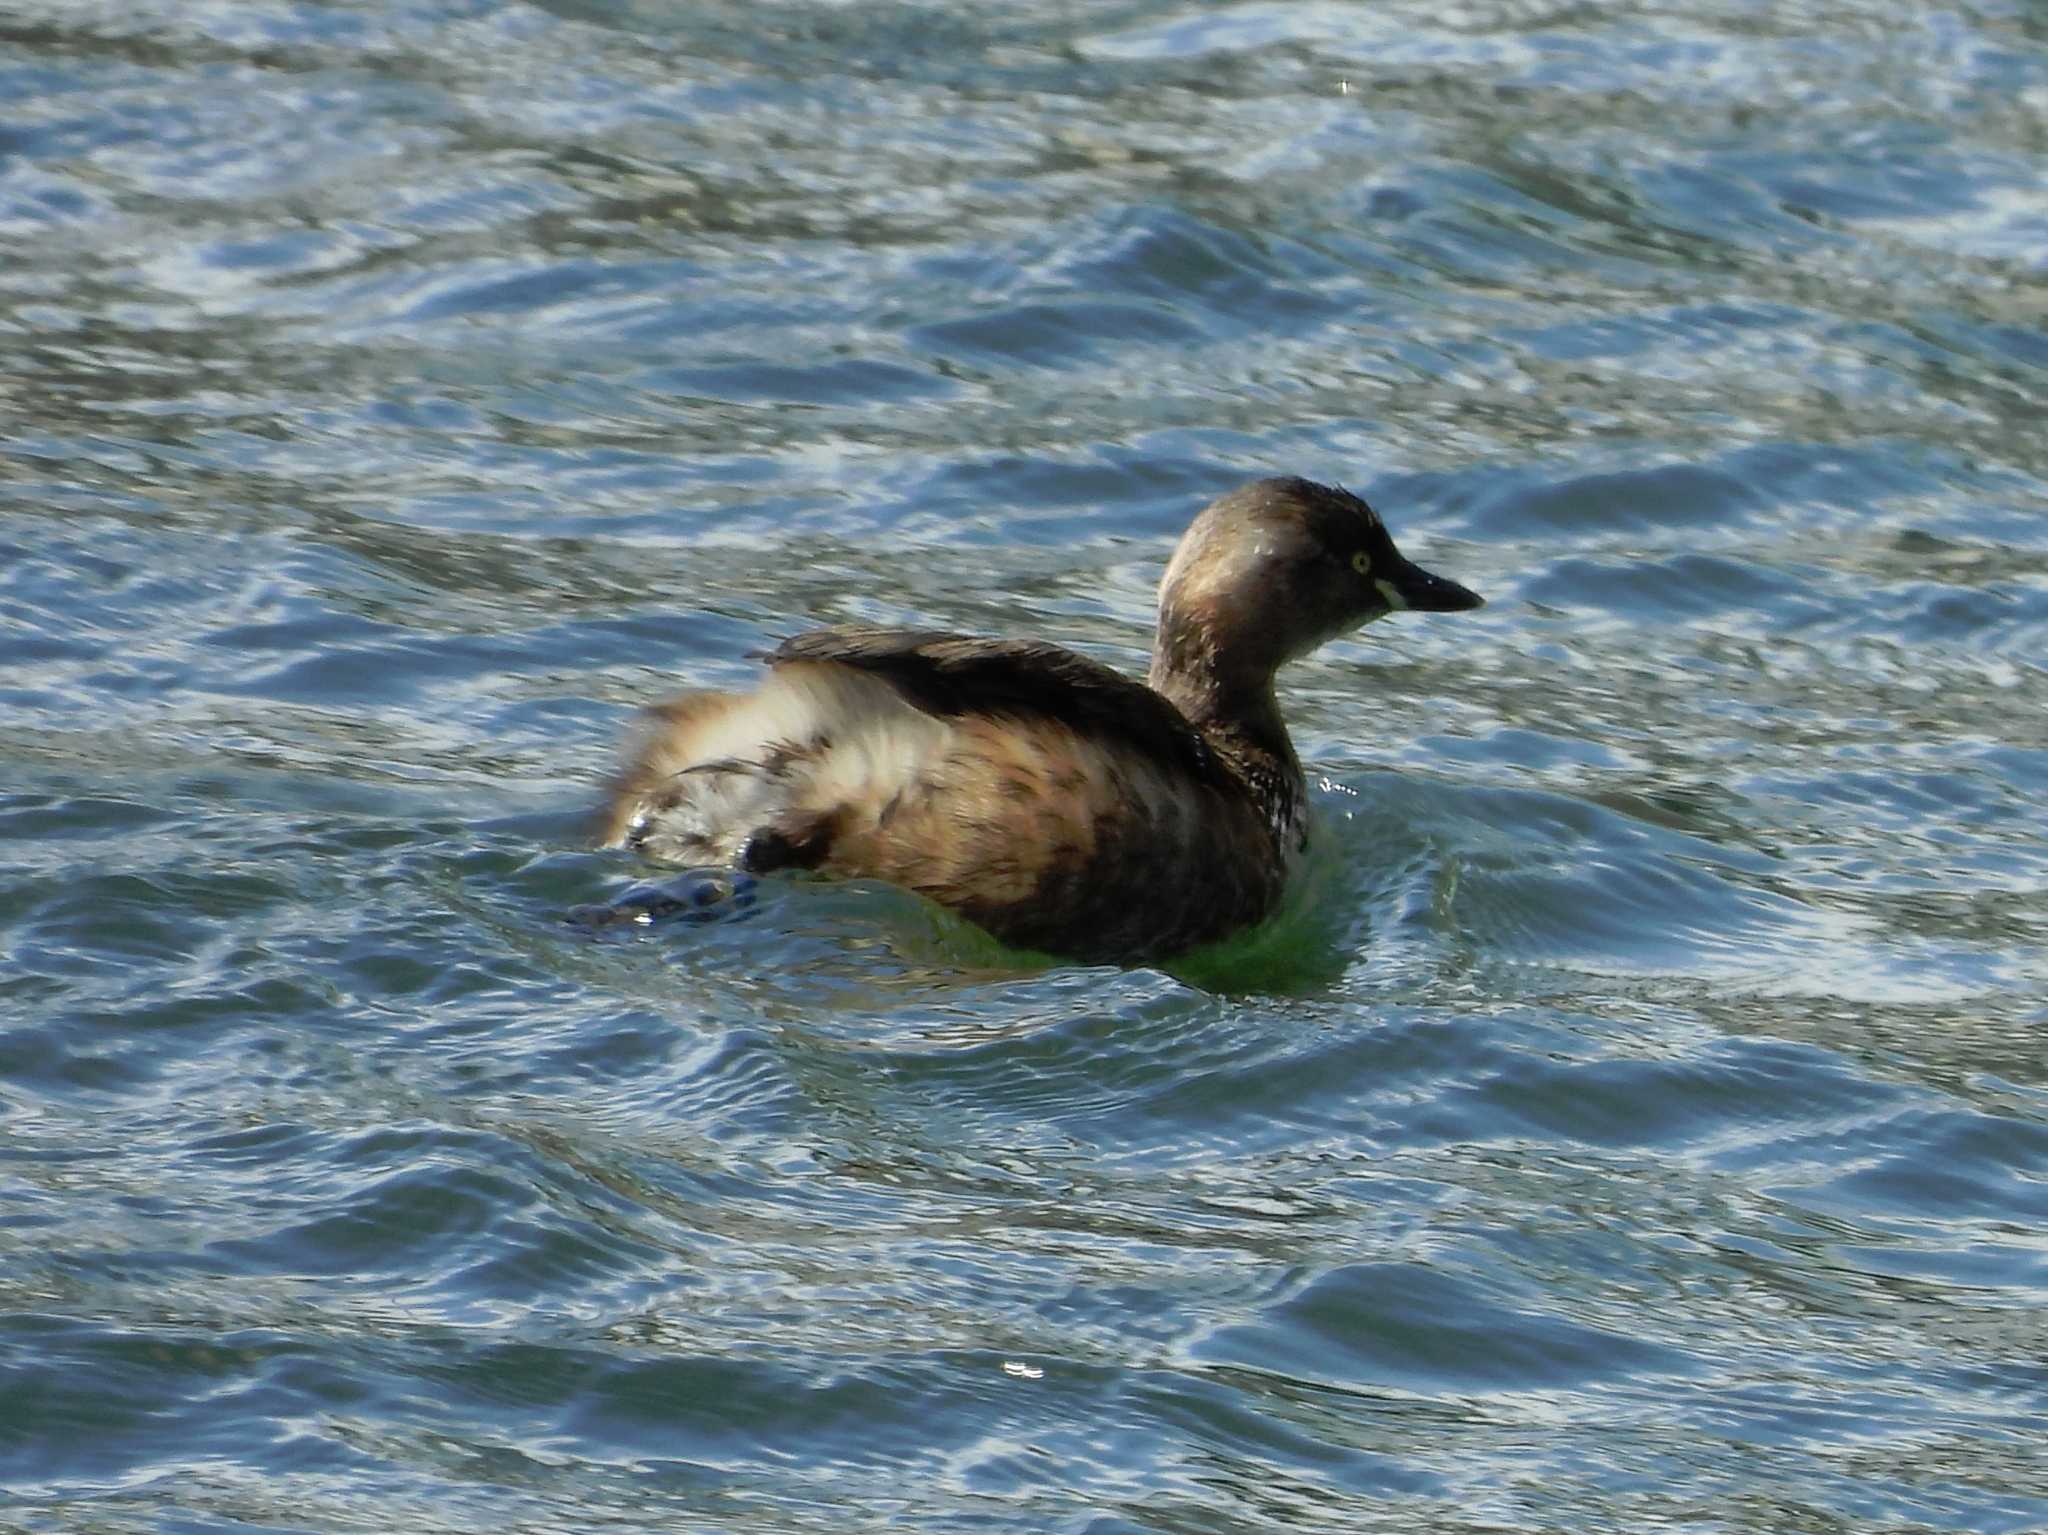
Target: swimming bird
{"type": "Point", "coordinates": [1059, 804]}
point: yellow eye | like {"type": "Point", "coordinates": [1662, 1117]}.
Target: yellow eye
{"type": "Point", "coordinates": [1362, 563]}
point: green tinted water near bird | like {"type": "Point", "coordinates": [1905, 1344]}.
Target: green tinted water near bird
{"type": "Point", "coordinates": [1637, 1120]}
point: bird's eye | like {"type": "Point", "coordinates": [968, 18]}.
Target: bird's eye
{"type": "Point", "coordinates": [1362, 563]}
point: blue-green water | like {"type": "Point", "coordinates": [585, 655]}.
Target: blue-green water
{"type": "Point", "coordinates": [1644, 1123]}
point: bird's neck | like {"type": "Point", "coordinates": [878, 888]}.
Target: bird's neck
{"type": "Point", "coordinates": [1238, 716]}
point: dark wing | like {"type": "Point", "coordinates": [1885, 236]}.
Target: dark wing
{"type": "Point", "coordinates": [949, 675]}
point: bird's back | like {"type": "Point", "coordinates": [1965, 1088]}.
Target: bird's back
{"type": "Point", "coordinates": [1053, 801]}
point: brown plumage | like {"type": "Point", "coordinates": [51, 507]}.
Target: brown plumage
{"type": "Point", "coordinates": [1054, 801]}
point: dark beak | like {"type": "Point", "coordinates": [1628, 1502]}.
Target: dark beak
{"type": "Point", "coordinates": [1422, 592]}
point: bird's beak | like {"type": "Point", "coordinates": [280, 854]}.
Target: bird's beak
{"type": "Point", "coordinates": [1411, 587]}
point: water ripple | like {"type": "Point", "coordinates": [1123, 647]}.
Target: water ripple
{"type": "Point", "coordinates": [1636, 1120]}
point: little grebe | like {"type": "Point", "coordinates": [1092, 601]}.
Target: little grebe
{"type": "Point", "coordinates": [1053, 801]}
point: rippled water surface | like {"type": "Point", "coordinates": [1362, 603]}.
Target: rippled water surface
{"type": "Point", "coordinates": [1642, 1121]}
